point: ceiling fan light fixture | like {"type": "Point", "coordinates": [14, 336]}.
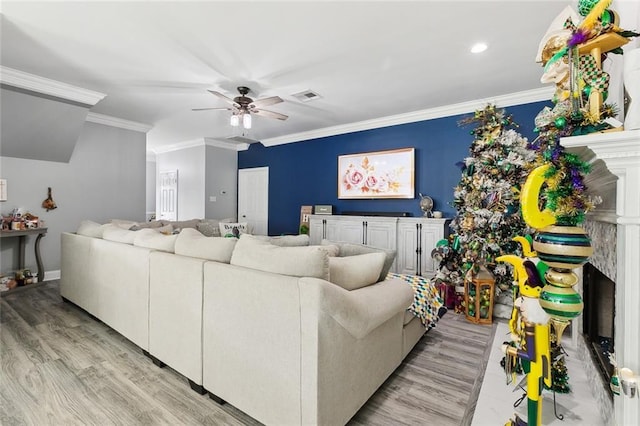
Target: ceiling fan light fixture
{"type": "Point", "coordinates": [479, 48]}
{"type": "Point", "coordinates": [246, 120]}
{"type": "Point", "coordinates": [234, 120]}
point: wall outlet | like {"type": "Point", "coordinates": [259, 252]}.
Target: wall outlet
{"type": "Point", "coordinates": [212, 199]}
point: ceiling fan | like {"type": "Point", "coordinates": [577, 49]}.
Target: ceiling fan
{"type": "Point", "coordinates": [243, 106]}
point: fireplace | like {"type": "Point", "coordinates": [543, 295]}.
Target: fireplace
{"type": "Point", "coordinates": [598, 321]}
{"type": "Point", "coordinates": [615, 225]}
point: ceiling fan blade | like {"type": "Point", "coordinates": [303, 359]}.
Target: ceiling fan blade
{"type": "Point", "coordinates": [205, 109]}
{"type": "Point", "coordinates": [267, 101]}
{"type": "Point", "coordinates": [270, 114]}
{"type": "Point", "coordinates": [221, 96]}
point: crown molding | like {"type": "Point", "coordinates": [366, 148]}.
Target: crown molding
{"type": "Point", "coordinates": [108, 120]}
{"type": "Point", "coordinates": [226, 145]}
{"type": "Point", "coordinates": [219, 143]}
{"type": "Point", "coordinates": [46, 86]}
{"type": "Point", "coordinates": [517, 98]}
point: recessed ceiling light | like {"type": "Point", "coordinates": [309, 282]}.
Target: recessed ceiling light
{"type": "Point", "coordinates": [478, 47]}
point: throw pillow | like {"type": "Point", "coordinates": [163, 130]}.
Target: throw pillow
{"type": "Point", "coordinates": [209, 227]}
{"type": "Point", "coordinates": [355, 272]}
{"type": "Point", "coordinates": [349, 249]}
{"type": "Point", "coordinates": [309, 261]}
{"type": "Point", "coordinates": [233, 229]}
{"type": "Point", "coordinates": [150, 238]}
{"type": "Point", "coordinates": [192, 243]}
{"type": "Point", "coordinates": [90, 228]}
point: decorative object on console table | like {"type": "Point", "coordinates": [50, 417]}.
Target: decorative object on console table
{"type": "Point", "coordinates": [426, 205]}
{"type": "Point", "coordinates": [382, 174]}
{"type": "Point", "coordinates": [305, 211]}
{"type": "Point", "coordinates": [323, 209]}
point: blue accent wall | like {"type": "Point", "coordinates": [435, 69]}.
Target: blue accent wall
{"type": "Point", "coordinates": [306, 173]}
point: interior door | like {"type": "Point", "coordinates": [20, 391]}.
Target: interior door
{"type": "Point", "coordinates": [253, 199]}
{"type": "Point", "coordinates": [168, 195]}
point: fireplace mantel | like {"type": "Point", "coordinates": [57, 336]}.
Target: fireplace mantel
{"type": "Point", "coordinates": [615, 160]}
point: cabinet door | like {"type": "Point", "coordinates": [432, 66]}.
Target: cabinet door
{"type": "Point", "coordinates": [351, 231]}
{"type": "Point", "coordinates": [380, 234]}
{"type": "Point", "coordinates": [316, 230]}
{"type": "Point", "coordinates": [332, 229]}
{"type": "Point", "coordinates": [431, 234]}
{"type": "Point", "coordinates": [407, 258]}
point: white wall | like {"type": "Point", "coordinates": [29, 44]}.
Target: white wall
{"type": "Point", "coordinates": [104, 179]}
{"type": "Point", "coordinates": [150, 204]}
{"type": "Point", "coordinates": [221, 183]}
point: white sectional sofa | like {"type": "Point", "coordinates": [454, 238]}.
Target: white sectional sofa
{"type": "Point", "coordinates": [254, 322]}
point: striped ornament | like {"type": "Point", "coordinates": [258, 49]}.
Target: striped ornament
{"type": "Point", "coordinates": [563, 247]}
{"type": "Point", "coordinates": [562, 303]}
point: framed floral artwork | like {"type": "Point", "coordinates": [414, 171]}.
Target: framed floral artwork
{"type": "Point", "coordinates": [379, 174]}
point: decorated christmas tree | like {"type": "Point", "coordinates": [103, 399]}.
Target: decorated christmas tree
{"type": "Point", "coordinates": [487, 201]}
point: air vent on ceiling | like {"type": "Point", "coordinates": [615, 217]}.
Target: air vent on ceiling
{"type": "Point", "coordinates": [306, 96]}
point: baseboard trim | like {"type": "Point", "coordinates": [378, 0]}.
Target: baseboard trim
{"type": "Point", "coordinates": [51, 275]}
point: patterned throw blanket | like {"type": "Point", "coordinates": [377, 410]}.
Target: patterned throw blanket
{"type": "Point", "coordinates": [426, 298]}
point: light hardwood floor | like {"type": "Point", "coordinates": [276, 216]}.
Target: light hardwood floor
{"type": "Point", "coordinates": [62, 367]}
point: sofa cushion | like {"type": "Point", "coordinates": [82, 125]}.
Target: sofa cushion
{"type": "Point", "coordinates": [116, 233]}
{"type": "Point", "coordinates": [123, 223]}
{"type": "Point", "coordinates": [150, 238]}
{"type": "Point", "coordinates": [310, 261]}
{"type": "Point", "coordinates": [286, 240]}
{"type": "Point", "coordinates": [230, 229]}
{"type": "Point", "coordinates": [192, 243]}
{"type": "Point", "coordinates": [89, 228]}
{"type": "Point", "coordinates": [358, 271]}
{"type": "Point", "coordinates": [349, 249]}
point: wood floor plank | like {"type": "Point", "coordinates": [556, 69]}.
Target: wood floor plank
{"type": "Point", "coordinates": [61, 366]}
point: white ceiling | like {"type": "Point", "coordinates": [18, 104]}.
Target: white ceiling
{"type": "Point", "coordinates": [155, 60]}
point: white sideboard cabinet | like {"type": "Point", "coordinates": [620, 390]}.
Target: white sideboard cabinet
{"type": "Point", "coordinates": [413, 238]}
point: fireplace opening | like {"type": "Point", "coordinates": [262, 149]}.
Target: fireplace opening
{"type": "Point", "coordinates": [598, 318]}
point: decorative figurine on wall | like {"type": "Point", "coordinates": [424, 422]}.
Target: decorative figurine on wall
{"type": "Point", "coordinates": [49, 204]}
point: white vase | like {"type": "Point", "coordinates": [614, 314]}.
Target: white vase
{"type": "Point", "coordinates": [631, 75]}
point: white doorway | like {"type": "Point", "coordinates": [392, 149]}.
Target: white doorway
{"type": "Point", "coordinates": [253, 199]}
{"type": "Point", "coordinates": [168, 195]}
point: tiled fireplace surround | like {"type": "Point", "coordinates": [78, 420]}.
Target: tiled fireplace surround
{"type": "Point", "coordinates": [614, 228]}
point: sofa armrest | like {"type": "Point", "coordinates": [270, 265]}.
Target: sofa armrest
{"type": "Point", "coordinates": [359, 311]}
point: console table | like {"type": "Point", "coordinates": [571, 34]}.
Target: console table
{"type": "Point", "coordinates": [22, 235]}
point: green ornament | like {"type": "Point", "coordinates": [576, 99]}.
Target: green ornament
{"type": "Point", "coordinates": [560, 122]}
{"type": "Point", "coordinates": [456, 243]}
{"type": "Point", "coordinates": [587, 91]}
{"type": "Point", "coordinates": [536, 130]}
